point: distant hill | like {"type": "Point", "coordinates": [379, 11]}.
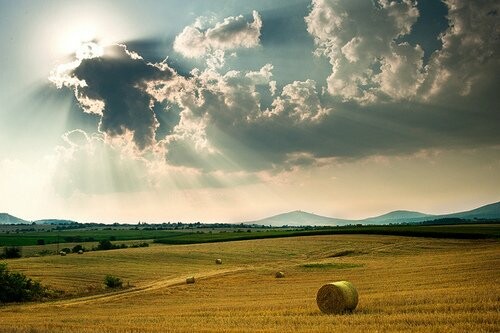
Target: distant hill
{"type": "Point", "coordinates": [300, 218]}
{"type": "Point", "coordinates": [398, 216]}
{"type": "Point", "coordinates": [55, 222]}
{"type": "Point", "coordinates": [491, 211]}
{"type": "Point", "coordinates": [9, 219]}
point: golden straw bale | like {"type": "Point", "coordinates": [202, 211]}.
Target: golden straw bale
{"type": "Point", "coordinates": [279, 275]}
{"type": "Point", "coordinates": [337, 297]}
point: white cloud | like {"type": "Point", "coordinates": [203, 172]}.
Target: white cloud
{"type": "Point", "coordinates": [471, 49]}
{"type": "Point", "coordinates": [232, 33]}
{"type": "Point", "coordinates": [359, 39]}
{"type": "Point", "coordinates": [401, 72]}
{"type": "Point", "coordinates": [370, 64]}
{"type": "Point", "coordinates": [299, 102]}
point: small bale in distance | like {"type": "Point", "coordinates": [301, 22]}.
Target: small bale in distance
{"type": "Point", "coordinates": [190, 280]}
{"type": "Point", "coordinates": [80, 251]}
{"type": "Point", "coordinates": [279, 275]}
{"type": "Point", "coordinates": [337, 297]}
{"type": "Point", "coordinates": [218, 261]}
{"type": "Point", "coordinates": [62, 253]}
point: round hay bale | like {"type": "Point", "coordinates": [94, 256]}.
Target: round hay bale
{"type": "Point", "coordinates": [190, 280]}
{"type": "Point", "coordinates": [279, 275]}
{"type": "Point", "coordinates": [80, 251]}
{"type": "Point", "coordinates": [337, 297]}
{"type": "Point", "coordinates": [62, 253]}
{"type": "Point", "coordinates": [218, 261]}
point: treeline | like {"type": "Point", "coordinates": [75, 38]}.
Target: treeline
{"type": "Point", "coordinates": [103, 245]}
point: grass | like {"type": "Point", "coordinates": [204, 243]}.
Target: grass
{"type": "Point", "coordinates": [405, 284]}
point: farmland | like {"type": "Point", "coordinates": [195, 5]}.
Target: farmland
{"type": "Point", "coordinates": [193, 234]}
{"type": "Point", "coordinates": [405, 284]}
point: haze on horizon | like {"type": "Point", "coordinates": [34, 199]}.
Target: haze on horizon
{"type": "Point", "coordinates": [233, 111]}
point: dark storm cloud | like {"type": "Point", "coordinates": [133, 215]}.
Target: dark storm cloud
{"type": "Point", "coordinates": [119, 81]}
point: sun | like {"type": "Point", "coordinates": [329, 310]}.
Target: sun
{"type": "Point", "coordinates": [72, 39]}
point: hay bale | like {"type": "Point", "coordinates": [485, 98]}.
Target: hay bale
{"type": "Point", "coordinates": [279, 275]}
{"type": "Point", "coordinates": [218, 261]}
{"type": "Point", "coordinates": [62, 253]}
{"type": "Point", "coordinates": [337, 297]}
{"type": "Point", "coordinates": [190, 280]}
{"type": "Point", "coordinates": [80, 251]}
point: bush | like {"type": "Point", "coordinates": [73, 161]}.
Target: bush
{"type": "Point", "coordinates": [16, 287]}
{"type": "Point", "coordinates": [40, 242]}
{"type": "Point", "coordinates": [104, 245]}
{"type": "Point", "coordinates": [107, 245]}
{"type": "Point", "coordinates": [11, 252]}
{"type": "Point", "coordinates": [113, 282]}
{"type": "Point", "coordinates": [66, 249]}
{"type": "Point", "coordinates": [77, 248]}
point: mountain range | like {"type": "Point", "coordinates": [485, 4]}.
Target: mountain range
{"type": "Point", "coordinates": [300, 218]}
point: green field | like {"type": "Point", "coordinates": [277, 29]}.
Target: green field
{"type": "Point", "coordinates": [441, 231]}
{"type": "Point", "coordinates": [81, 236]}
{"type": "Point", "coordinates": [206, 235]}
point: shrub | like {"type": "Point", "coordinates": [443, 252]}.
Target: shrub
{"type": "Point", "coordinates": [113, 282]}
{"type": "Point", "coordinates": [66, 249]}
{"type": "Point", "coordinates": [11, 252]}
{"type": "Point", "coordinates": [16, 287]}
{"type": "Point", "coordinates": [104, 245]}
{"type": "Point", "coordinates": [40, 242]}
{"type": "Point", "coordinates": [77, 248]}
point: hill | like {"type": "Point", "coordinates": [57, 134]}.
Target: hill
{"type": "Point", "coordinates": [491, 211]}
{"type": "Point", "coordinates": [398, 216]}
{"type": "Point", "coordinates": [300, 218]}
{"type": "Point", "coordinates": [9, 219]}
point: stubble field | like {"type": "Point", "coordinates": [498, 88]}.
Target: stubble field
{"type": "Point", "coordinates": [404, 284]}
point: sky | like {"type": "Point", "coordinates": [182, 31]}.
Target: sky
{"type": "Point", "coordinates": [230, 111]}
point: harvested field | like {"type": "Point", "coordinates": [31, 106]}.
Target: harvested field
{"type": "Point", "coordinates": [404, 284]}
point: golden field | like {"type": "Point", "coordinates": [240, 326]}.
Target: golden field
{"type": "Point", "coordinates": [404, 284]}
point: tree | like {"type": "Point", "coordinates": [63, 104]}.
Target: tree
{"type": "Point", "coordinates": [105, 245]}
{"type": "Point", "coordinates": [113, 282]}
{"type": "Point", "coordinates": [11, 252]}
{"type": "Point", "coordinates": [16, 287]}
{"type": "Point", "coordinates": [77, 248]}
